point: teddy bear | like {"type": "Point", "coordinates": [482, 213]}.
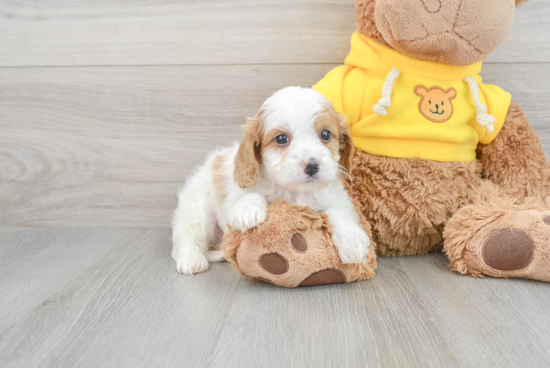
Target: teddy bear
{"type": "Point", "coordinates": [443, 161]}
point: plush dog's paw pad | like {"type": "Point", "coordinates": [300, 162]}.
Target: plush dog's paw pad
{"type": "Point", "coordinates": [324, 277]}
{"type": "Point", "coordinates": [274, 263]}
{"type": "Point", "coordinates": [546, 219]}
{"type": "Point", "coordinates": [508, 250]}
{"type": "Point", "coordinates": [298, 243]}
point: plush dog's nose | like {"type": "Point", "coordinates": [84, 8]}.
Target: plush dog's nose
{"type": "Point", "coordinates": [312, 168]}
{"type": "Point", "coordinates": [437, 106]}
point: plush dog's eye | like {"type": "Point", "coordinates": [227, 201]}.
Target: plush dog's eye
{"type": "Point", "coordinates": [282, 140]}
{"type": "Point", "coordinates": [325, 135]}
{"type": "Point", "coordinates": [430, 101]}
{"type": "Point", "coordinates": [442, 103]}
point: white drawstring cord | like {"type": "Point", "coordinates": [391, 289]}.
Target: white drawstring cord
{"type": "Point", "coordinates": [485, 120]}
{"type": "Point", "coordinates": [385, 101]}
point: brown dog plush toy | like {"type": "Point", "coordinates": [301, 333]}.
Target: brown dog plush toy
{"type": "Point", "coordinates": [294, 247]}
{"type": "Point", "coordinates": [443, 161]}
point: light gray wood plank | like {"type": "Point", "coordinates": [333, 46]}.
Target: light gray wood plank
{"type": "Point", "coordinates": [36, 262]}
{"type": "Point", "coordinates": [127, 308]}
{"type": "Point", "coordinates": [109, 146]}
{"type": "Point", "coordinates": [8, 231]}
{"type": "Point", "coordinates": [528, 41]}
{"type": "Point", "coordinates": [143, 32]}
{"type": "Point", "coordinates": [377, 323]}
{"type": "Point", "coordinates": [146, 32]}
{"type": "Point", "coordinates": [485, 322]}
{"type": "Point", "coordinates": [529, 85]}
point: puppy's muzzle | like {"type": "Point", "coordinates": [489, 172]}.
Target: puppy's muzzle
{"type": "Point", "coordinates": [312, 168]}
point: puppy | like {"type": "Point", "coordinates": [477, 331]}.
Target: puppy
{"type": "Point", "coordinates": [296, 148]}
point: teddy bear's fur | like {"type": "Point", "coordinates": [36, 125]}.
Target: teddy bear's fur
{"type": "Point", "coordinates": [416, 206]}
{"type": "Point", "coordinates": [451, 31]}
{"type": "Point", "coordinates": [409, 201]}
{"type": "Point", "coordinates": [490, 215]}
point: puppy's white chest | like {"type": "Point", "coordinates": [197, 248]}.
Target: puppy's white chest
{"type": "Point", "coordinates": [305, 199]}
{"type": "Point", "coordinates": [300, 198]}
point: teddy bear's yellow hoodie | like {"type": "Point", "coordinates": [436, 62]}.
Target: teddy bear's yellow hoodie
{"type": "Point", "coordinates": [402, 107]}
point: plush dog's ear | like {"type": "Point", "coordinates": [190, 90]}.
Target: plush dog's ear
{"type": "Point", "coordinates": [248, 158]}
{"type": "Point", "coordinates": [347, 149]}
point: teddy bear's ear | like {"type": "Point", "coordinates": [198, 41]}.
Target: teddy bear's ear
{"type": "Point", "coordinates": [451, 93]}
{"type": "Point", "coordinates": [519, 2]}
{"type": "Point", "coordinates": [420, 91]}
{"type": "Point", "coordinates": [364, 17]}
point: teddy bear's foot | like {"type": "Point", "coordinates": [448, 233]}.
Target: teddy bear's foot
{"type": "Point", "coordinates": [512, 242]}
{"type": "Point", "coordinates": [293, 247]}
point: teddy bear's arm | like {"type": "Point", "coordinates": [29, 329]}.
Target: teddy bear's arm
{"type": "Point", "coordinates": [515, 160]}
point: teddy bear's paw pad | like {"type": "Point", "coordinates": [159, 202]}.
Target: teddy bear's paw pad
{"type": "Point", "coordinates": [274, 263]}
{"type": "Point", "coordinates": [298, 243]}
{"type": "Point", "coordinates": [509, 249]}
{"type": "Point", "coordinates": [324, 277]}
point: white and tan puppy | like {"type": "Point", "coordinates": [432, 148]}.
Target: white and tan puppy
{"type": "Point", "coordinates": [296, 148]}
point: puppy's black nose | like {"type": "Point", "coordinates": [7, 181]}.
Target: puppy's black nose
{"type": "Point", "coordinates": [312, 168]}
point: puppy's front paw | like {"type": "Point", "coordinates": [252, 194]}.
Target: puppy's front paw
{"type": "Point", "coordinates": [352, 243]}
{"type": "Point", "coordinates": [190, 263]}
{"type": "Point", "coordinates": [248, 213]}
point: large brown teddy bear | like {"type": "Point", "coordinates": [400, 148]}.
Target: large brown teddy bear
{"type": "Point", "coordinates": [442, 161]}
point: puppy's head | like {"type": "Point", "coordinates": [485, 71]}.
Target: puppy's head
{"type": "Point", "coordinates": [297, 140]}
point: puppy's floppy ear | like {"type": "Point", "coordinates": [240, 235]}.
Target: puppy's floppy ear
{"type": "Point", "coordinates": [347, 149]}
{"type": "Point", "coordinates": [248, 158]}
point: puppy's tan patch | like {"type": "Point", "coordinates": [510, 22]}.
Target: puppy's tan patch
{"type": "Point", "coordinates": [270, 142]}
{"type": "Point", "coordinates": [326, 121]}
{"type": "Point", "coordinates": [270, 145]}
{"type": "Point", "coordinates": [341, 143]}
{"type": "Point", "coordinates": [219, 178]}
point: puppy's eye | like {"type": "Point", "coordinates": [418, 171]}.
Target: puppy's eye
{"type": "Point", "coordinates": [282, 140]}
{"type": "Point", "coordinates": [325, 135]}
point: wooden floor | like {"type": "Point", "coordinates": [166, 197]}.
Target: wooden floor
{"type": "Point", "coordinates": [104, 297]}
{"type": "Point", "coordinates": [106, 106]}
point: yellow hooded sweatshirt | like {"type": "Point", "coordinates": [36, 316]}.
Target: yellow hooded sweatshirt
{"type": "Point", "coordinates": [402, 107]}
